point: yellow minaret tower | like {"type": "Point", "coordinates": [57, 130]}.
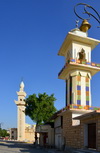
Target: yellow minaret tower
{"type": "Point", "coordinates": [21, 113]}
{"type": "Point", "coordinates": [78, 68]}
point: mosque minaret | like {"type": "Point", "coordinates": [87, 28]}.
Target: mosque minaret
{"type": "Point", "coordinates": [21, 113]}
{"type": "Point", "coordinates": [78, 69]}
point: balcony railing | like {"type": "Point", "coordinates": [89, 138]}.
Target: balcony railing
{"type": "Point", "coordinates": [75, 61]}
{"type": "Point", "coordinates": [75, 106]}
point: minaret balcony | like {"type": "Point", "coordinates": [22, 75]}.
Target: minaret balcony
{"type": "Point", "coordinates": [79, 107]}
{"type": "Point", "coordinates": [74, 64]}
{"type": "Point", "coordinates": [20, 103]}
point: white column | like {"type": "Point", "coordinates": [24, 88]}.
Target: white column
{"type": "Point", "coordinates": [21, 123]}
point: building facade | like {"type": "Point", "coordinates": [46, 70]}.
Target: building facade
{"type": "Point", "coordinates": [46, 135]}
{"type": "Point", "coordinates": [90, 130]}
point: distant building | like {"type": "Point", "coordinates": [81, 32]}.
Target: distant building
{"type": "Point", "coordinates": [45, 135]}
{"type": "Point", "coordinates": [13, 133]}
{"type": "Point", "coordinates": [30, 133]}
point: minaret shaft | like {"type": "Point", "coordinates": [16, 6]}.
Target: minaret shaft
{"type": "Point", "coordinates": [21, 123]}
{"type": "Point", "coordinates": [78, 88]}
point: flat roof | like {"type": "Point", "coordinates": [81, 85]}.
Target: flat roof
{"type": "Point", "coordinates": [87, 115]}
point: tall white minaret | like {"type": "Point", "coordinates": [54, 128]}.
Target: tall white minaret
{"type": "Point", "coordinates": [21, 113]}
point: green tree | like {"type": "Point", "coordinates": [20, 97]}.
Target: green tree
{"type": "Point", "coordinates": [3, 133]}
{"type": "Point", "coordinates": [40, 108]}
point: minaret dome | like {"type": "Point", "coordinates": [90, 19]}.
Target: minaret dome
{"type": "Point", "coordinates": [22, 86]}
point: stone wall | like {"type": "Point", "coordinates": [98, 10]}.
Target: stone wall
{"type": "Point", "coordinates": [71, 133]}
{"type": "Point", "coordinates": [30, 134]}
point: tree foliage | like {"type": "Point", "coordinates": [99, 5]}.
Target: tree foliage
{"type": "Point", "coordinates": [40, 108]}
{"type": "Point", "coordinates": [3, 133]}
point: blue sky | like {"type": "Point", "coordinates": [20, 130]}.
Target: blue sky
{"type": "Point", "coordinates": [31, 33]}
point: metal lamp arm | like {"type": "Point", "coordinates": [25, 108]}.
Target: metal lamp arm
{"type": "Point", "coordinates": [86, 12]}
